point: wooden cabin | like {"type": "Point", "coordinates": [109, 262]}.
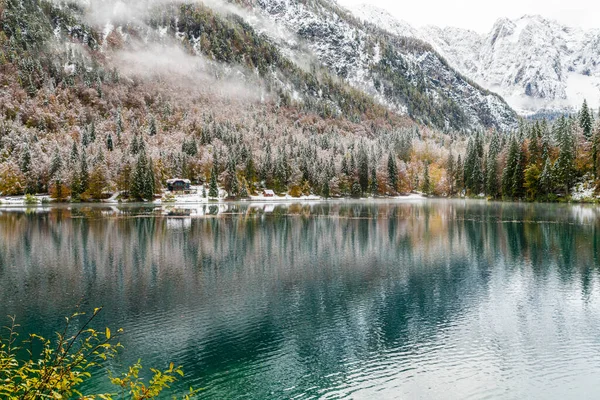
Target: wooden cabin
{"type": "Point", "coordinates": [179, 185]}
{"type": "Point", "coordinates": [269, 193]}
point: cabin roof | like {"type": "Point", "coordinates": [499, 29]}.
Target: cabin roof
{"type": "Point", "coordinates": [269, 191]}
{"type": "Point", "coordinates": [173, 180]}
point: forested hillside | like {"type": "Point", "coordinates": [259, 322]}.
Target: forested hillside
{"type": "Point", "coordinates": [194, 91]}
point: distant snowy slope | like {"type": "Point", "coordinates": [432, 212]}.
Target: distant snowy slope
{"type": "Point", "coordinates": [407, 76]}
{"type": "Point", "coordinates": [535, 63]}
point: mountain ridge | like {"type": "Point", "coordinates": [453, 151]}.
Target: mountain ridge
{"type": "Point", "coordinates": [537, 64]}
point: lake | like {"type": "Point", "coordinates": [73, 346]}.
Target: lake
{"type": "Point", "coordinates": [437, 299]}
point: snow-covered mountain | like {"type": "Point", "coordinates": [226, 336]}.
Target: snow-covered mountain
{"type": "Point", "coordinates": [536, 64]}
{"type": "Point", "coordinates": [406, 75]}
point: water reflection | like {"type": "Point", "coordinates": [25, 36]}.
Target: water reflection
{"type": "Point", "coordinates": [436, 299]}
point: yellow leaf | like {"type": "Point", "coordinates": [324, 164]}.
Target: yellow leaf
{"type": "Point", "coordinates": [107, 333]}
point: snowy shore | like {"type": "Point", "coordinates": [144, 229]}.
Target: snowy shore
{"type": "Point", "coordinates": [191, 199]}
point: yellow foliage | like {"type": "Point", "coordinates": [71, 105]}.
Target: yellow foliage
{"type": "Point", "coordinates": [12, 180]}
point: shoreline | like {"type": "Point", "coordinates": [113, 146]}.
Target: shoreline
{"type": "Point", "coordinates": [44, 201]}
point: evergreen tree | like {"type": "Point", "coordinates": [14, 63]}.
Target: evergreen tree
{"type": "Point", "coordinates": [470, 159]}
{"type": "Point", "coordinates": [596, 153]}
{"type": "Point", "coordinates": [356, 190]}
{"type": "Point", "coordinates": [325, 192]}
{"type": "Point", "coordinates": [250, 168]}
{"type": "Point", "coordinates": [374, 183]}
{"type": "Point", "coordinates": [56, 164]}
{"type": "Point", "coordinates": [152, 130]}
{"type": "Point", "coordinates": [392, 168]}
{"type": "Point", "coordinates": [477, 177]}
{"type": "Point", "coordinates": [92, 132]}
{"type": "Point", "coordinates": [563, 167]}
{"type": "Point", "coordinates": [426, 187]}
{"type": "Point", "coordinates": [546, 182]}
{"type": "Point", "coordinates": [109, 143]}
{"type": "Point", "coordinates": [585, 120]}
{"type": "Point", "coordinates": [84, 174]}
{"type": "Point", "coordinates": [495, 147]}
{"type": "Point", "coordinates": [492, 184]}
{"type": "Point", "coordinates": [460, 181]}
{"type": "Point", "coordinates": [74, 157]}
{"type": "Point", "coordinates": [508, 174]}
{"type": "Point", "coordinates": [142, 178]}
{"type": "Point", "coordinates": [134, 147]}
{"type": "Point", "coordinates": [345, 167]}
{"type": "Point", "coordinates": [243, 189]}
{"type": "Point", "coordinates": [534, 147]}
{"type": "Point", "coordinates": [363, 170]}
{"type": "Point", "coordinates": [213, 190]}
{"type": "Point", "coordinates": [450, 173]}
{"type": "Point", "coordinates": [518, 177]}
{"type": "Point", "coordinates": [119, 126]}
{"type": "Point", "coordinates": [190, 147]}
{"type": "Point", "coordinates": [25, 164]}
{"type": "Point", "coordinates": [235, 187]}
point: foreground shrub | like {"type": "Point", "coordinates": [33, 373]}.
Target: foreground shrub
{"type": "Point", "coordinates": [59, 368]}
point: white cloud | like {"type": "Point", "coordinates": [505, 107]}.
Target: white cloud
{"type": "Point", "coordinates": [480, 15]}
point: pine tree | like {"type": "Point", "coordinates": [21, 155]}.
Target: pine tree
{"type": "Point", "coordinates": [477, 177]}
{"type": "Point", "coordinates": [250, 168]}
{"type": "Point", "coordinates": [134, 147]}
{"type": "Point", "coordinates": [356, 190]}
{"type": "Point", "coordinates": [596, 153]}
{"type": "Point", "coordinates": [109, 143]}
{"type": "Point", "coordinates": [92, 132]}
{"type": "Point", "coordinates": [213, 190]}
{"type": "Point", "coordinates": [119, 126]}
{"type": "Point", "coordinates": [585, 120]}
{"type": "Point", "coordinates": [325, 192]}
{"type": "Point", "coordinates": [152, 130]}
{"type": "Point", "coordinates": [345, 167]}
{"type": "Point", "coordinates": [426, 185]}
{"type": "Point", "coordinates": [142, 178]}
{"type": "Point", "coordinates": [519, 175]}
{"type": "Point", "coordinates": [374, 184]}
{"type": "Point", "coordinates": [235, 187]}
{"type": "Point", "coordinates": [56, 164]}
{"type": "Point", "coordinates": [492, 184]}
{"type": "Point", "coordinates": [546, 181]}
{"type": "Point", "coordinates": [25, 164]}
{"type": "Point", "coordinates": [450, 173]}
{"type": "Point", "coordinates": [460, 181]}
{"type": "Point", "coordinates": [84, 175]}
{"type": "Point", "coordinates": [563, 167]}
{"type": "Point", "coordinates": [392, 172]}
{"type": "Point", "coordinates": [190, 147]}
{"type": "Point", "coordinates": [243, 189]}
{"type": "Point", "coordinates": [535, 150]}
{"type": "Point", "coordinates": [508, 174]}
{"type": "Point", "coordinates": [470, 158]}
{"type": "Point", "coordinates": [363, 170]}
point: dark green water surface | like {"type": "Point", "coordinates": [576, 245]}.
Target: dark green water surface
{"type": "Point", "coordinates": [372, 300]}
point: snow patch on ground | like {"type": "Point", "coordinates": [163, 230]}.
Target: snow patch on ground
{"type": "Point", "coordinates": [584, 192]}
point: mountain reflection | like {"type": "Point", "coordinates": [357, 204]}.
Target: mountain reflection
{"type": "Point", "coordinates": [294, 296]}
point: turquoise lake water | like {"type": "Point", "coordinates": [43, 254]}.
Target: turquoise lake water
{"type": "Point", "coordinates": [435, 299]}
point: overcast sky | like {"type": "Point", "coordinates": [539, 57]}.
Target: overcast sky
{"type": "Point", "coordinates": [480, 15]}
